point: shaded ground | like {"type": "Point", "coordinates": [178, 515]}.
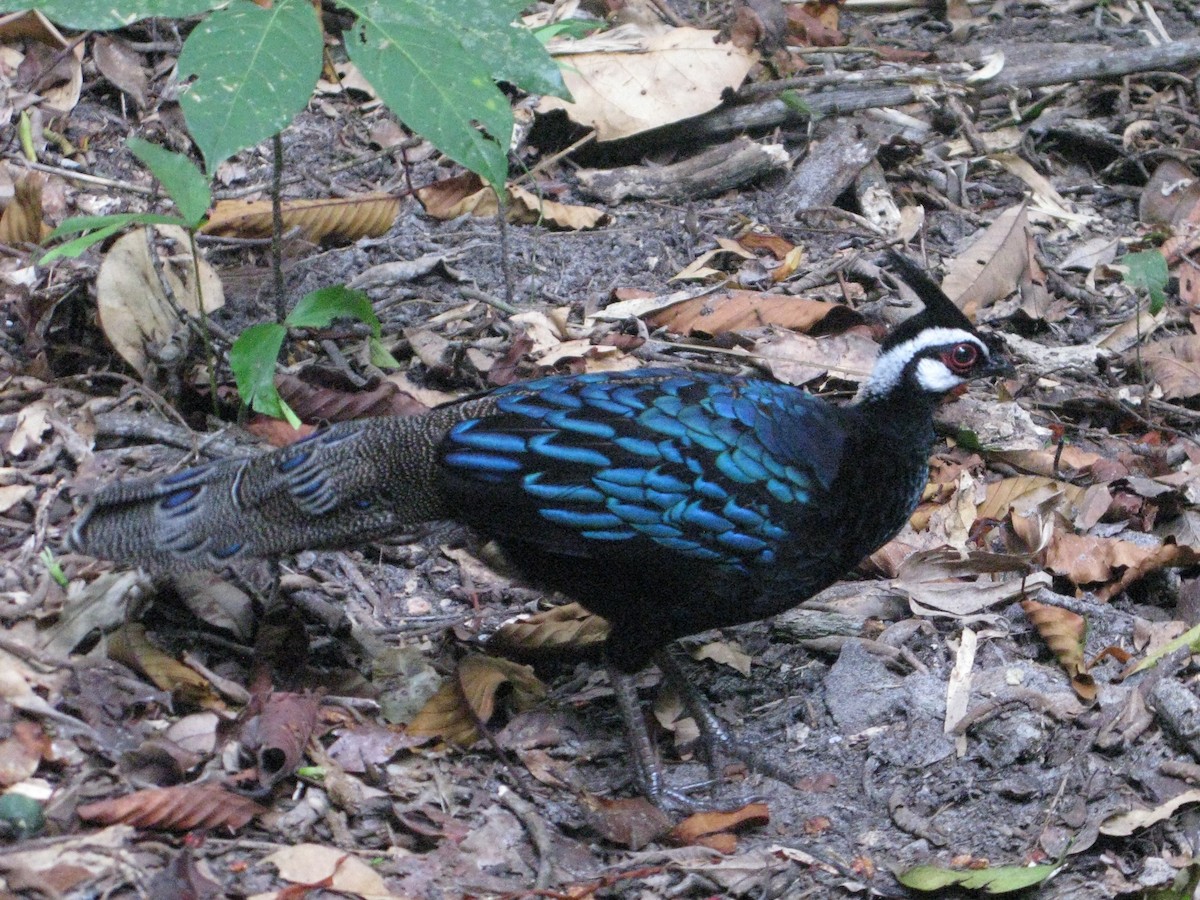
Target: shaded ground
{"type": "Point", "coordinates": [858, 713]}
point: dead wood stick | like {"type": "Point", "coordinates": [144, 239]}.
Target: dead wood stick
{"type": "Point", "coordinates": [772, 113]}
{"type": "Point", "coordinates": [705, 175]}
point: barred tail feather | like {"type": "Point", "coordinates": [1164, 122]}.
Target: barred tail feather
{"type": "Point", "coordinates": [341, 486]}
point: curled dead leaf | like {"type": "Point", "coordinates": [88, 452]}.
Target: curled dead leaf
{"type": "Point", "coordinates": [632, 822]}
{"type": "Point", "coordinates": [184, 807]}
{"type": "Point", "coordinates": [1064, 633]}
{"type": "Point", "coordinates": [468, 699]}
{"type": "Point", "coordinates": [328, 218]}
{"type": "Point", "coordinates": [130, 646]}
{"type": "Point", "coordinates": [701, 827]}
{"type": "Point", "coordinates": [566, 626]}
{"type": "Point", "coordinates": [22, 221]}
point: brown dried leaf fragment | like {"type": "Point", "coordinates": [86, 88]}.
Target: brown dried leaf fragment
{"type": "Point", "coordinates": [1064, 634]}
{"type": "Point", "coordinates": [185, 807]}
{"type": "Point", "coordinates": [130, 646]}
{"type": "Point", "coordinates": [1174, 364]}
{"type": "Point", "coordinates": [332, 218]}
{"type": "Point", "coordinates": [727, 311]}
{"type": "Point", "coordinates": [698, 827]}
{"type": "Point", "coordinates": [314, 402]}
{"type": "Point", "coordinates": [22, 222]}
{"type": "Point", "coordinates": [463, 702]}
{"type": "Point", "coordinates": [277, 731]}
{"type": "Point", "coordinates": [632, 822]}
{"type": "Point", "coordinates": [566, 626]}
{"type": "Point", "coordinates": [1093, 560]}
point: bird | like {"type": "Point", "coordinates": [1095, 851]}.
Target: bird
{"type": "Point", "coordinates": [667, 501]}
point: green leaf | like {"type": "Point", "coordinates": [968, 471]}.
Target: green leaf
{"type": "Point", "coordinates": [572, 28]}
{"type": "Point", "coordinates": [994, 880]}
{"type": "Point", "coordinates": [1191, 638]}
{"type": "Point", "coordinates": [53, 567]}
{"type": "Point", "coordinates": [255, 69]}
{"type": "Point", "coordinates": [795, 101]}
{"type": "Point", "coordinates": [509, 50]}
{"type": "Point", "coordinates": [103, 15]}
{"type": "Point", "coordinates": [428, 79]}
{"type": "Point", "coordinates": [78, 224]}
{"type": "Point", "coordinates": [184, 183]}
{"type": "Point", "coordinates": [1148, 272]}
{"type": "Point", "coordinates": [381, 356]}
{"type": "Point", "coordinates": [97, 229]}
{"type": "Point", "coordinates": [22, 814]}
{"type": "Point", "coordinates": [320, 307]}
{"type": "Point", "coordinates": [252, 358]}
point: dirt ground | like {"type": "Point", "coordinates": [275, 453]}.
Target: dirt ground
{"type": "Point", "coordinates": [854, 705]}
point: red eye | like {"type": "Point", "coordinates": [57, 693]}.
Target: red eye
{"type": "Point", "coordinates": [961, 357]}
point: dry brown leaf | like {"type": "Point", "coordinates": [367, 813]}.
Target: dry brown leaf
{"type": "Point", "coordinates": [1064, 634]}
{"type": "Point", "coordinates": [726, 654]}
{"type": "Point", "coordinates": [700, 270]}
{"type": "Point", "coordinates": [778, 246]}
{"type": "Point", "coordinates": [277, 730]}
{"type": "Point", "coordinates": [569, 625]}
{"type": "Point", "coordinates": [43, 48]}
{"type": "Point", "coordinates": [527, 208]}
{"type": "Point", "coordinates": [1093, 560]}
{"type": "Point", "coordinates": [814, 24]}
{"type": "Point", "coordinates": [22, 221]}
{"type": "Point", "coordinates": [121, 65]}
{"type": "Point", "coordinates": [673, 75]}
{"type": "Point", "coordinates": [1170, 196]}
{"type": "Point", "coordinates": [703, 824]}
{"type": "Point", "coordinates": [733, 310]}
{"type": "Point", "coordinates": [318, 403]}
{"type": "Point", "coordinates": [461, 702]}
{"type": "Point", "coordinates": [468, 195]}
{"type": "Point", "coordinates": [990, 268]}
{"type": "Point", "coordinates": [333, 218]}
{"type": "Point", "coordinates": [130, 646]}
{"type": "Point", "coordinates": [1123, 824]}
{"type": "Point", "coordinates": [184, 807]}
{"type": "Point", "coordinates": [277, 432]}
{"type": "Point", "coordinates": [22, 751]}
{"type": "Point", "coordinates": [1050, 462]}
{"type": "Point", "coordinates": [798, 358]}
{"type": "Point", "coordinates": [460, 195]}
{"type": "Point", "coordinates": [312, 865]}
{"type": "Point", "coordinates": [135, 312]}
{"type": "Point", "coordinates": [217, 602]}
{"type": "Point", "coordinates": [1045, 198]}
{"type": "Point", "coordinates": [1022, 493]}
{"type": "Point", "coordinates": [1174, 364]}
{"type": "Point", "coordinates": [632, 822]}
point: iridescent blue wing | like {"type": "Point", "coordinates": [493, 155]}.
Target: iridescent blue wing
{"type": "Point", "coordinates": [627, 465]}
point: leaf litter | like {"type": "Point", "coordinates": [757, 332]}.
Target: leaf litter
{"type": "Point", "coordinates": [910, 746]}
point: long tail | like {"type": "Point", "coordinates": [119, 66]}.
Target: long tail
{"type": "Point", "coordinates": [341, 486]}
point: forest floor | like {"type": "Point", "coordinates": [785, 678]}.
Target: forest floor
{"type": "Point", "coordinates": [919, 705]}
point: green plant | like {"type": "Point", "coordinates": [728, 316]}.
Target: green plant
{"type": "Point", "coordinates": [435, 67]}
{"type": "Point", "coordinates": [254, 354]}
{"type": "Point", "coordinates": [434, 63]}
{"type": "Point", "coordinates": [1147, 271]}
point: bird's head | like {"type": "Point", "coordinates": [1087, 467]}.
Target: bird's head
{"type": "Point", "coordinates": [935, 351]}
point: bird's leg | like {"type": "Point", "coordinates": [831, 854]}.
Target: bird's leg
{"type": "Point", "coordinates": [714, 736]}
{"type": "Point", "coordinates": [647, 770]}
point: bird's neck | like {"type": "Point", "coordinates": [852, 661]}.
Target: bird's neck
{"type": "Point", "coordinates": [902, 412]}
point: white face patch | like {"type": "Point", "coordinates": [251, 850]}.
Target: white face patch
{"type": "Point", "coordinates": [935, 376]}
{"type": "Point", "coordinates": [932, 375]}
